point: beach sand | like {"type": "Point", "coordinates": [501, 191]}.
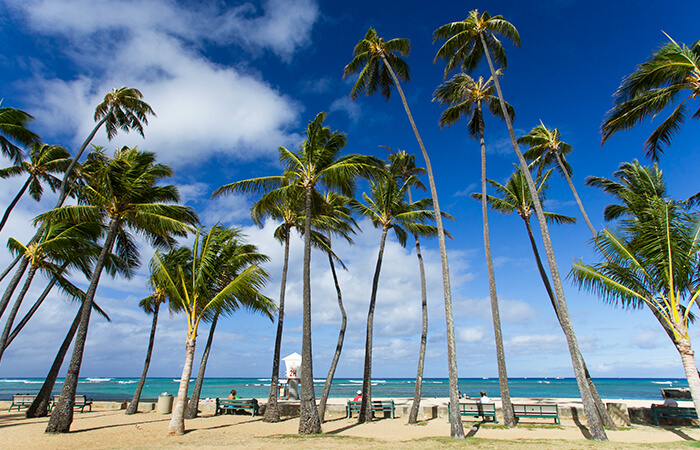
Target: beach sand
{"type": "Point", "coordinates": [104, 429]}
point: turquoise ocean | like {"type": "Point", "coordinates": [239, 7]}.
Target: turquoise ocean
{"type": "Point", "coordinates": [123, 388]}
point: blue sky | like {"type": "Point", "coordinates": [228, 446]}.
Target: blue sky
{"type": "Point", "coordinates": [232, 81]}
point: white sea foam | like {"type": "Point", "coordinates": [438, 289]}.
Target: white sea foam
{"type": "Point", "coordinates": [355, 381]}
{"type": "Point", "coordinates": [127, 382]}
{"type": "Point", "coordinates": [264, 379]}
{"type": "Point", "coordinates": [98, 380]}
{"type": "Point", "coordinates": [21, 381]}
{"type": "Point", "coordinates": [663, 382]}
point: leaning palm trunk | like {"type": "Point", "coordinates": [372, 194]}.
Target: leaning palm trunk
{"type": "Point", "coordinates": [309, 422]}
{"type": "Point", "coordinates": [456, 428]}
{"type": "Point", "coordinates": [594, 421]}
{"type": "Point", "coordinates": [15, 308]}
{"type": "Point", "coordinates": [600, 406]}
{"type": "Point", "coordinates": [9, 268]}
{"type": "Point", "coordinates": [691, 370]}
{"type": "Point", "coordinates": [272, 410]}
{"type": "Point", "coordinates": [507, 406]}
{"type": "Point", "coordinates": [40, 405]}
{"type": "Point", "coordinates": [413, 414]}
{"type": "Point", "coordinates": [177, 421]}
{"type": "Point", "coordinates": [134, 405]}
{"type": "Point", "coordinates": [366, 408]}
{"type": "Point", "coordinates": [193, 405]}
{"type": "Point", "coordinates": [62, 415]}
{"type": "Point", "coordinates": [338, 348]}
{"type": "Point", "coordinates": [578, 199]}
{"type": "Point", "coordinates": [14, 203]}
{"type": "Point", "coordinates": [14, 282]}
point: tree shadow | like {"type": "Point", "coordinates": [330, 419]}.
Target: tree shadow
{"type": "Point", "coordinates": [473, 430]}
{"type": "Point", "coordinates": [577, 421]}
{"type": "Point", "coordinates": [680, 434]}
{"type": "Point", "coordinates": [119, 425]}
{"type": "Point", "coordinates": [341, 429]}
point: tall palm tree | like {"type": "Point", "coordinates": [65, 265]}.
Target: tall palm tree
{"type": "Point", "coordinates": [123, 194]}
{"type": "Point", "coordinates": [467, 97]}
{"type": "Point", "coordinates": [467, 42]}
{"type": "Point", "coordinates": [403, 167]}
{"type": "Point", "coordinates": [651, 260]}
{"type": "Point", "coordinates": [546, 149]}
{"type": "Point", "coordinates": [317, 162]}
{"type": "Point", "coordinates": [204, 286]}
{"type": "Point", "coordinates": [13, 128]}
{"type": "Point", "coordinates": [44, 162]}
{"type": "Point", "coordinates": [382, 67]}
{"type": "Point", "coordinates": [652, 87]}
{"type": "Point", "coordinates": [236, 256]}
{"type": "Point", "coordinates": [388, 209]}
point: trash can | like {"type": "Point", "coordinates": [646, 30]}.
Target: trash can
{"type": "Point", "coordinates": [165, 403]}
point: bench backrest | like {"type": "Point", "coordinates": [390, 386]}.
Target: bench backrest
{"type": "Point", "coordinates": [240, 403]}
{"type": "Point", "coordinates": [674, 410]}
{"type": "Point", "coordinates": [477, 408]}
{"type": "Point", "coordinates": [23, 398]}
{"type": "Point", "coordinates": [536, 409]}
{"type": "Point", "coordinates": [79, 399]}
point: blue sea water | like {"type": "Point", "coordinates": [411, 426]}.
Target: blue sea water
{"type": "Point", "coordinates": [123, 388]}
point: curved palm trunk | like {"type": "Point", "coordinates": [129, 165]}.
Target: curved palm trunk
{"type": "Point", "coordinates": [12, 285]}
{"type": "Point", "coordinates": [594, 422]}
{"type": "Point", "coordinates": [309, 422]}
{"type": "Point", "coordinates": [272, 410]}
{"type": "Point", "coordinates": [338, 348]}
{"type": "Point", "coordinates": [8, 268]}
{"type": "Point", "coordinates": [134, 405]}
{"type": "Point", "coordinates": [193, 405]}
{"type": "Point", "coordinates": [32, 310]}
{"type": "Point", "coordinates": [413, 414]}
{"type": "Point", "coordinates": [691, 370]}
{"type": "Point", "coordinates": [578, 199]}
{"type": "Point", "coordinates": [507, 406]}
{"type": "Point", "coordinates": [40, 405]}
{"type": "Point", "coordinates": [366, 408]}
{"type": "Point", "coordinates": [600, 406]}
{"type": "Point", "coordinates": [15, 308]}
{"type": "Point", "coordinates": [456, 428]}
{"type": "Point", "coordinates": [14, 203]}
{"type": "Point", "coordinates": [177, 421]}
{"type": "Point", "coordinates": [62, 414]}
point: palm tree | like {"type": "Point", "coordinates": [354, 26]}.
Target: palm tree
{"type": "Point", "coordinates": [62, 246]}
{"type": "Point", "coordinates": [651, 260]}
{"type": "Point", "coordinates": [381, 68]}
{"type": "Point", "coordinates": [403, 167]}
{"type": "Point", "coordinates": [44, 162]}
{"type": "Point", "coordinates": [13, 127]}
{"type": "Point", "coordinates": [387, 208]}
{"type": "Point", "coordinates": [467, 42]}
{"type": "Point", "coordinates": [468, 97]}
{"type": "Point", "coordinates": [653, 86]}
{"type": "Point", "coordinates": [123, 194]}
{"type": "Point", "coordinates": [316, 163]}
{"type": "Point", "coordinates": [515, 196]}
{"type": "Point", "coordinates": [546, 149]}
{"type": "Point", "coordinates": [204, 286]}
{"type": "Point", "coordinates": [236, 256]}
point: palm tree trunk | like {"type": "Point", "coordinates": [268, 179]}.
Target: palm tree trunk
{"type": "Point", "coordinates": [40, 405]}
{"type": "Point", "coordinates": [134, 405]}
{"type": "Point", "coordinates": [15, 308]}
{"type": "Point", "coordinates": [594, 422]}
{"type": "Point", "coordinates": [456, 428]}
{"type": "Point", "coordinates": [413, 414]}
{"type": "Point", "coordinates": [193, 405]}
{"type": "Point", "coordinates": [177, 421]}
{"type": "Point", "coordinates": [600, 406]}
{"type": "Point", "coordinates": [62, 414]}
{"type": "Point", "coordinates": [507, 406]}
{"type": "Point", "coordinates": [34, 308]}
{"type": "Point", "coordinates": [14, 282]}
{"type": "Point", "coordinates": [272, 410]}
{"type": "Point", "coordinates": [14, 203]}
{"type": "Point", "coordinates": [578, 199]}
{"type": "Point", "coordinates": [338, 347]}
{"type": "Point", "coordinates": [366, 408]}
{"type": "Point", "coordinates": [691, 370]}
{"type": "Point", "coordinates": [309, 422]}
{"type": "Point", "coordinates": [8, 268]}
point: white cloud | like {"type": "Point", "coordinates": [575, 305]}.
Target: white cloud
{"type": "Point", "coordinates": [348, 106]}
{"type": "Point", "coordinates": [466, 191]}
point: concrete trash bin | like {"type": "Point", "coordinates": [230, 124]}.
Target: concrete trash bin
{"type": "Point", "coordinates": [165, 403]}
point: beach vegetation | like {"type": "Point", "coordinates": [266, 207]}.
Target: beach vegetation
{"type": "Point", "coordinates": [467, 97]}
{"type": "Point", "coordinates": [381, 67]}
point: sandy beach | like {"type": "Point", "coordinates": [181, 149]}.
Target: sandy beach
{"type": "Point", "coordinates": [110, 428]}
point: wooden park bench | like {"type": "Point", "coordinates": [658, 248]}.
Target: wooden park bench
{"type": "Point", "coordinates": [81, 402]}
{"type": "Point", "coordinates": [21, 401]}
{"type": "Point", "coordinates": [223, 405]}
{"type": "Point", "coordinates": [377, 406]}
{"type": "Point", "coordinates": [672, 412]}
{"type": "Point", "coordinates": [547, 411]}
{"type": "Point", "coordinates": [475, 409]}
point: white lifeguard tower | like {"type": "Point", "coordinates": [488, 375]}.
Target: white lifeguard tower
{"type": "Point", "coordinates": [293, 372]}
